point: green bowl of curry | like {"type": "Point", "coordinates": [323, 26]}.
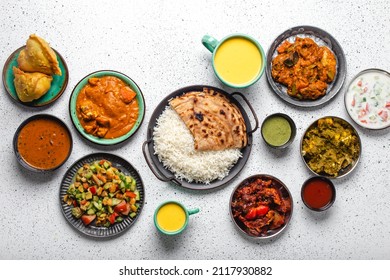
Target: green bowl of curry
{"type": "Point", "coordinates": [107, 107]}
{"type": "Point", "coordinates": [331, 147]}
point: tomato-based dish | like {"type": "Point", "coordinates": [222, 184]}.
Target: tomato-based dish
{"type": "Point", "coordinates": [305, 68]}
{"type": "Point", "coordinates": [107, 107]}
{"type": "Point", "coordinates": [44, 143]}
{"type": "Point", "coordinates": [260, 205]}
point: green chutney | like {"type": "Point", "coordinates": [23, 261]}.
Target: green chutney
{"type": "Point", "coordinates": [276, 131]}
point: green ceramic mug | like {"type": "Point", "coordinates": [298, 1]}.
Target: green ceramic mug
{"type": "Point", "coordinates": [238, 59]}
{"type": "Point", "coordinates": [171, 217]}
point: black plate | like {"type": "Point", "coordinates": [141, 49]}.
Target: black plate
{"type": "Point", "coordinates": [164, 174]}
{"type": "Point", "coordinates": [322, 38]}
{"type": "Point", "coordinates": [94, 231]}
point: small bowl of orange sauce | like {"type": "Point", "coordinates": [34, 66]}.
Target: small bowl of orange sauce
{"type": "Point", "coordinates": [42, 143]}
{"type": "Point", "coordinates": [318, 193]}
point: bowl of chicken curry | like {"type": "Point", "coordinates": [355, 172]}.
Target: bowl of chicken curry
{"type": "Point", "coordinates": [306, 66]}
{"type": "Point", "coordinates": [107, 107]}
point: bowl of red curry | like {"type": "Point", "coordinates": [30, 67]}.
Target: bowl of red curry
{"type": "Point", "coordinates": [107, 107]}
{"type": "Point", "coordinates": [261, 206]}
{"type": "Point", "coordinates": [42, 143]}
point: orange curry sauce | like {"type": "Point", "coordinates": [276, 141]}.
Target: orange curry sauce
{"type": "Point", "coordinates": [44, 143]}
{"type": "Point", "coordinates": [107, 107]}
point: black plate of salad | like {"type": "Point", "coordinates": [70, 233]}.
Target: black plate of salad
{"type": "Point", "coordinates": [102, 195]}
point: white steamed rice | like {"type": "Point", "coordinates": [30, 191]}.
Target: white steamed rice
{"type": "Point", "coordinates": [174, 146]}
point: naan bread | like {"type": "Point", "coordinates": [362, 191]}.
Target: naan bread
{"type": "Point", "coordinates": [37, 56]}
{"type": "Point", "coordinates": [30, 86]}
{"type": "Point", "coordinates": [215, 123]}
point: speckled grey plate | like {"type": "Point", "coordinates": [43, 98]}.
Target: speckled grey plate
{"type": "Point", "coordinates": [91, 230]}
{"type": "Point", "coordinates": [322, 38]}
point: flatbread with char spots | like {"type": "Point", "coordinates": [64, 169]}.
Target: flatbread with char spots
{"type": "Point", "coordinates": [215, 122]}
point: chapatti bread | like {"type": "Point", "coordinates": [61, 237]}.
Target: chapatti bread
{"type": "Point", "coordinates": [215, 122]}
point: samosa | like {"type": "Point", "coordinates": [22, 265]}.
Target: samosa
{"type": "Point", "coordinates": [37, 56]}
{"type": "Point", "coordinates": [31, 86]}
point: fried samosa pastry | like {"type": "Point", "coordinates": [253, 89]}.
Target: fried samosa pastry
{"type": "Point", "coordinates": [37, 56]}
{"type": "Point", "coordinates": [30, 86]}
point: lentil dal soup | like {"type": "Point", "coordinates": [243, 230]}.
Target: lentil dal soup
{"type": "Point", "coordinates": [44, 143]}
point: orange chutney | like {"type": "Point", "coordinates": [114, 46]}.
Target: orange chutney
{"type": "Point", "coordinates": [107, 107]}
{"type": "Point", "coordinates": [44, 143]}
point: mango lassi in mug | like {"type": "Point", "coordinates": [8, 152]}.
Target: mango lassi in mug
{"type": "Point", "coordinates": [238, 60]}
{"type": "Point", "coordinates": [171, 217]}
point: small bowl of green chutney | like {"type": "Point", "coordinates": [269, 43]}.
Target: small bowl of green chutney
{"type": "Point", "coordinates": [278, 130]}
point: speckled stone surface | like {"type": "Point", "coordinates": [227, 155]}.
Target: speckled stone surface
{"type": "Point", "coordinates": [158, 44]}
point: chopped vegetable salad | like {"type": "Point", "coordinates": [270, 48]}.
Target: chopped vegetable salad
{"type": "Point", "coordinates": [102, 194]}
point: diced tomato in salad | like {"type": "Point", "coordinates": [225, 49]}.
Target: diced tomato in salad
{"type": "Point", "coordinates": [92, 189]}
{"type": "Point", "coordinates": [120, 207]}
{"type": "Point", "coordinates": [127, 210]}
{"type": "Point", "coordinates": [87, 219]}
{"type": "Point", "coordinates": [130, 194]}
{"type": "Point", "coordinates": [383, 114]}
{"type": "Point", "coordinates": [102, 194]}
{"type": "Point", "coordinates": [113, 217]}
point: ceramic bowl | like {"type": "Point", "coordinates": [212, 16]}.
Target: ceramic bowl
{"type": "Point", "coordinates": [293, 131]}
{"type": "Point", "coordinates": [58, 85]}
{"type": "Point", "coordinates": [45, 141]}
{"type": "Point", "coordinates": [318, 193]}
{"type": "Point", "coordinates": [103, 141]}
{"type": "Point", "coordinates": [367, 99]}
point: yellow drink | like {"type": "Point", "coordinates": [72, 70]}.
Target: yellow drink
{"type": "Point", "coordinates": [171, 217]}
{"type": "Point", "coordinates": [238, 61]}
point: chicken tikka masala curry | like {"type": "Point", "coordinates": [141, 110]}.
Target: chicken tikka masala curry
{"type": "Point", "coordinates": [304, 67]}
{"type": "Point", "coordinates": [107, 107]}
